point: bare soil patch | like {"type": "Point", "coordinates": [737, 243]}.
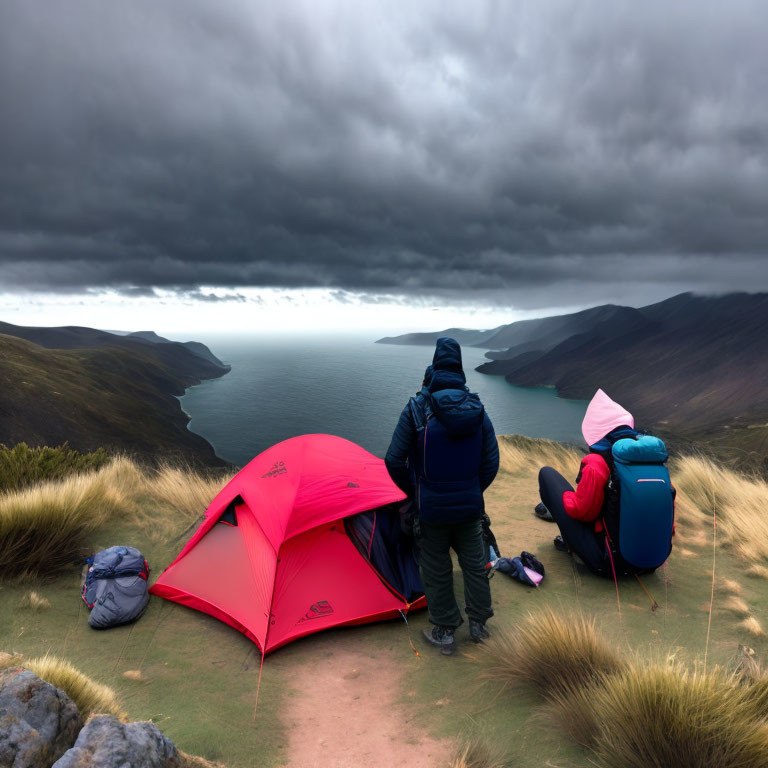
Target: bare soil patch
{"type": "Point", "coordinates": [346, 711]}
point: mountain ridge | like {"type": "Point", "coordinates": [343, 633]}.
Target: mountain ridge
{"type": "Point", "coordinates": [690, 367]}
{"type": "Point", "coordinates": [94, 389]}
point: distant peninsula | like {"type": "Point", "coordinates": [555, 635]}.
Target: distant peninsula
{"type": "Point", "coordinates": [692, 368]}
{"type": "Point", "coordinates": [92, 388]}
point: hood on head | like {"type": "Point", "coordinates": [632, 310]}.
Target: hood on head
{"type": "Point", "coordinates": [447, 371]}
{"type": "Point", "coordinates": [602, 417]}
{"type": "Point", "coordinates": [427, 376]}
{"type": "Point", "coordinates": [447, 355]}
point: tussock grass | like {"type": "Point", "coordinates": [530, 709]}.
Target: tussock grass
{"type": "Point", "coordinates": [177, 496]}
{"type": "Point", "coordinates": [8, 660]}
{"type": "Point", "coordinates": [34, 601]}
{"type": "Point", "coordinates": [43, 529]}
{"type": "Point", "coordinates": [661, 716]}
{"type": "Point", "coordinates": [729, 585]}
{"type": "Point", "coordinates": [520, 453]}
{"type": "Point", "coordinates": [552, 653]}
{"type": "Point", "coordinates": [736, 605]}
{"type": "Point", "coordinates": [664, 714]}
{"type": "Point", "coordinates": [22, 466]}
{"type": "Point", "coordinates": [753, 626]}
{"type": "Point", "coordinates": [757, 694]}
{"type": "Point", "coordinates": [46, 528]}
{"type": "Point", "coordinates": [629, 714]}
{"type": "Point", "coordinates": [739, 501]}
{"type": "Point", "coordinates": [477, 753]}
{"type": "Point", "coordinates": [190, 761]}
{"type": "Point", "coordinates": [758, 571]}
{"type": "Point", "coordinates": [90, 697]}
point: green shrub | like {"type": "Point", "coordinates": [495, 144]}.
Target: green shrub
{"type": "Point", "coordinates": [22, 466]}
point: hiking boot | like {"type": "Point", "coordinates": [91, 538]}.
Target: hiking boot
{"type": "Point", "coordinates": [477, 631]}
{"type": "Point", "coordinates": [560, 544]}
{"type": "Point", "coordinates": [541, 511]}
{"type": "Point", "coordinates": [442, 638]}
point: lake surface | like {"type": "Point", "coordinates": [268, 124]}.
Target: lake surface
{"type": "Point", "coordinates": [280, 387]}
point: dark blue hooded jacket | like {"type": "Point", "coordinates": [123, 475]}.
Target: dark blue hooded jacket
{"type": "Point", "coordinates": [446, 465]}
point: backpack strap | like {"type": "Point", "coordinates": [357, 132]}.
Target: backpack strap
{"type": "Point", "coordinates": [420, 417]}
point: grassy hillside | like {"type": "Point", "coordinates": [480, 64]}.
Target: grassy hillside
{"type": "Point", "coordinates": [197, 678]}
{"type": "Point", "coordinates": [119, 398]}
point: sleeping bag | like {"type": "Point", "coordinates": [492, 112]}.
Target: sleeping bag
{"type": "Point", "coordinates": [115, 587]}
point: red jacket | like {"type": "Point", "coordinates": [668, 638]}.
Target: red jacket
{"type": "Point", "coordinates": [586, 502]}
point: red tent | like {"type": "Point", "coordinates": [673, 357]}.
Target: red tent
{"type": "Point", "coordinates": [273, 558]}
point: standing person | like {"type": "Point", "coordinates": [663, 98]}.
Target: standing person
{"type": "Point", "coordinates": [444, 454]}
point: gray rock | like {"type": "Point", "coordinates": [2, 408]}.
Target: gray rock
{"type": "Point", "coordinates": [38, 722]}
{"type": "Point", "coordinates": [108, 743]}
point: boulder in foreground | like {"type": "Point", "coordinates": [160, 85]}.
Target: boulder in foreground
{"type": "Point", "coordinates": [107, 743]}
{"type": "Point", "coordinates": [38, 723]}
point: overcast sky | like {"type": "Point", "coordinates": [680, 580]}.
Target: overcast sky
{"type": "Point", "coordinates": [493, 157]}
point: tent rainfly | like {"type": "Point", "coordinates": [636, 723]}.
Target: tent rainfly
{"type": "Point", "coordinates": [304, 538]}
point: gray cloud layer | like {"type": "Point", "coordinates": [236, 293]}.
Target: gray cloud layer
{"type": "Point", "coordinates": [514, 146]}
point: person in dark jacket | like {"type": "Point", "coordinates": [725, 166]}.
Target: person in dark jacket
{"type": "Point", "coordinates": [444, 454]}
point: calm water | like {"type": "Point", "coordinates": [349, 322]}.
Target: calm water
{"type": "Point", "coordinates": [280, 387]}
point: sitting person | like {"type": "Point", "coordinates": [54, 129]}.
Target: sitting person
{"type": "Point", "coordinates": [620, 517]}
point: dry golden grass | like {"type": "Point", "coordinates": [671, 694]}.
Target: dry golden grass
{"type": "Point", "coordinates": [729, 585]}
{"type": "Point", "coordinates": [477, 753]}
{"type": "Point", "coordinates": [174, 497]}
{"type": "Point", "coordinates": [9, 660]}
{"type": "Point", "coordinates": [758, 571]}
{"type": "Point", "coordinates": [629, 714]}
{"type": "Point", "coordinates": [753, 626]}
{"type": "Point", "coordinates": [738, 500]}
{"type": "Point", "coordinates": [666, 715]}
{"type": "Point", "coordinates": [132, 674]}
{"type": "Point", "coordinates": [574, 713]}
{"type": "Point", "coordinates": [757, 691]}
{"type": "Point", "coordinates": [43, 529]}
{"type": "Point", "coordinates": [34, 601]}
{"type": "Point", "coordinates": [527, 454]}
{"type": "Point", "coordinates": [550, 652]}
{"type": "Point", "coordinates": [663, 714]}
{"type": "Point", "coordinates": [736, 605]}
{"type": "Point", "coordinates": [46, 528]}
{"type": "Point", "coordinates": [90, 697]}
{"type": "Point", "coordinates": [190, 761]}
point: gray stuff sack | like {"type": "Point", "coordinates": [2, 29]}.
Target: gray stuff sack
{"type": "Point", "coordinates": [115, 587]}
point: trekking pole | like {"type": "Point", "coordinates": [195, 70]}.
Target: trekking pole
{"type": "Point", "coordinates": [654, 604]}
{"type": "Point", "coordinates": [408, 630]}
{"type": "Point", "coordinates": [714, 561]}
{"type": "Point", "coordinates": [258, 686]}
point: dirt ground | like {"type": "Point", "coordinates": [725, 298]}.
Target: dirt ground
{"type": "Point", "coordinates": [348, 713]}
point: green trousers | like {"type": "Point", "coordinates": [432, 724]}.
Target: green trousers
{"type": "Point", "coordinates": [435, 543]}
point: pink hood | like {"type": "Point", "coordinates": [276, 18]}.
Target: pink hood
{"type": "Point", "coordinates": [603, 415]}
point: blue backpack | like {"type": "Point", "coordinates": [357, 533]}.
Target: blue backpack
{"type": "Point", "coordinates": [639, 511]}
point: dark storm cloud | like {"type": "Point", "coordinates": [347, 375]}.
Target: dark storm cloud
{"type": "Point", "coordinates": [513, 148]}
